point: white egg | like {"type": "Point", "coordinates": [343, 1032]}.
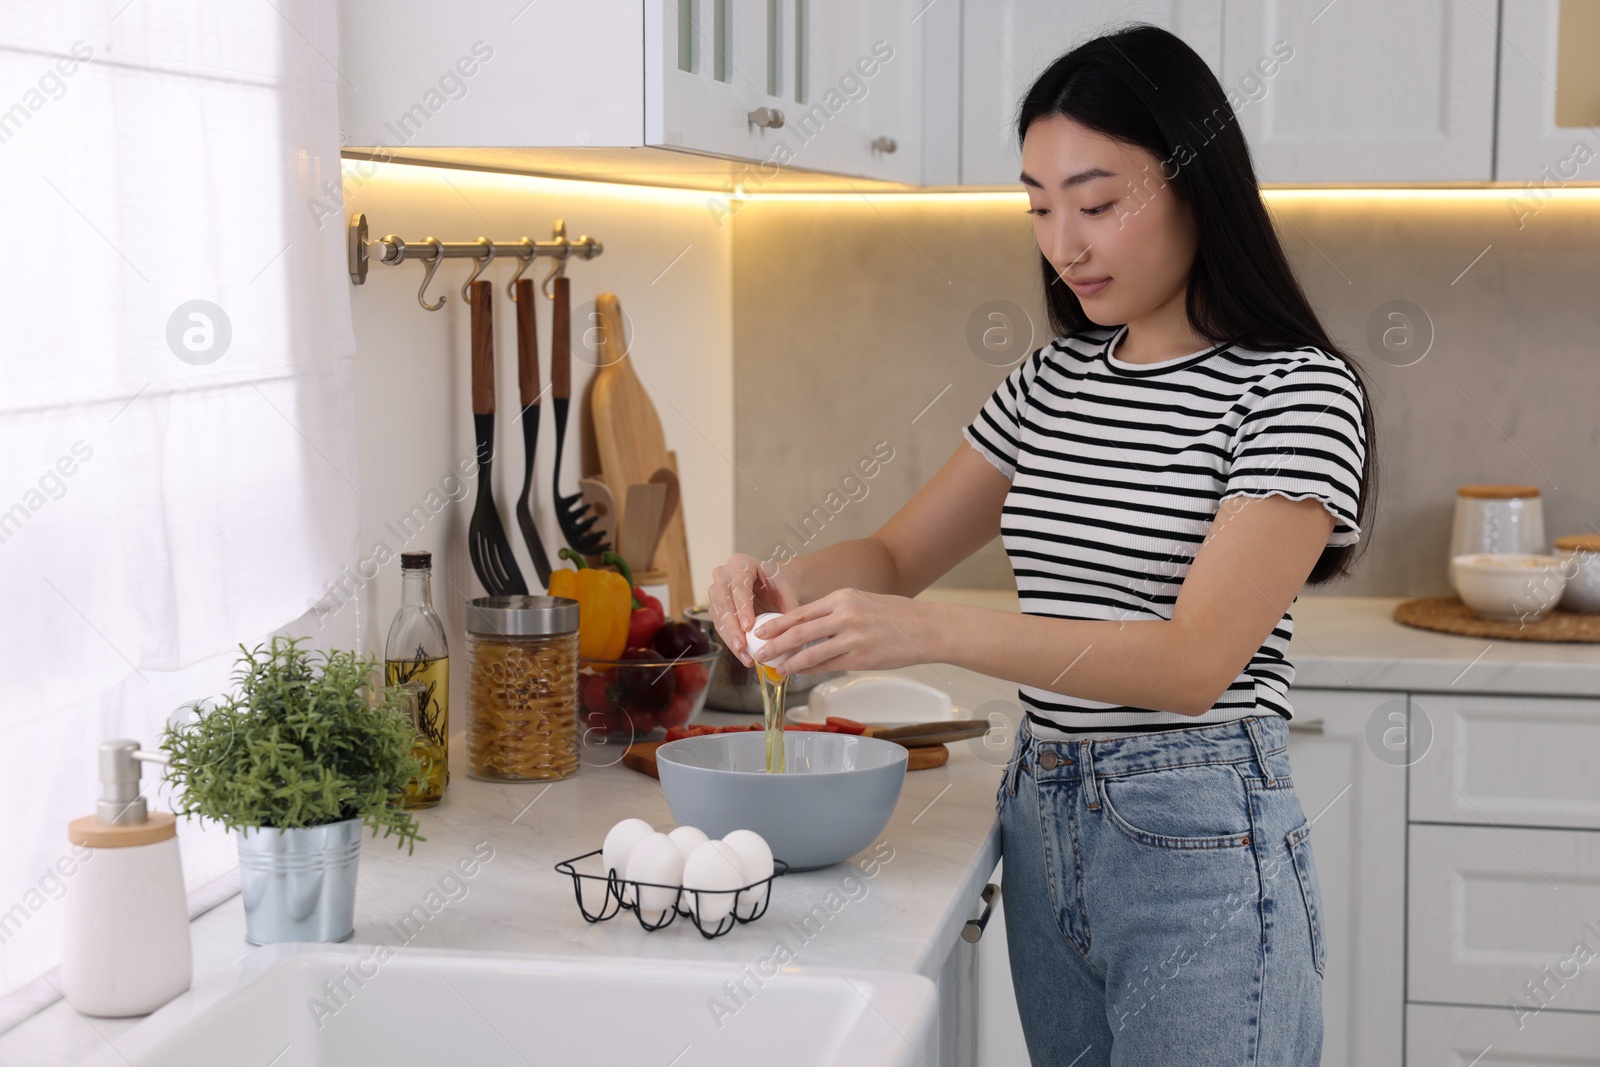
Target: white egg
{"type": "Point", "coordinates": [620, 842]}
{"type": "Point", "coordinates": [687, 838]}
{"type": "Point", "coordinates": [754, 644]}
{"type": "Point", "coordinates": [713, 866]}
{"type": "Point", "coordinates": [656, 859]}
{"type": "Point", "coordinates": [755, 859]}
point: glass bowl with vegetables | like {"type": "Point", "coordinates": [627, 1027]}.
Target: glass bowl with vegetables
{"type": "Point", "coordinates": [638, 674]}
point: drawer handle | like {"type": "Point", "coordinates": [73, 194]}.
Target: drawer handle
{"type": "Point", "coordinates": [974, 928]}
{"type": "Point", "coordinates": [766, 117]}
{"type": "Point", "coordinates": [884, 144]}
{"type": "Point", "coordinates": [1315, 726]}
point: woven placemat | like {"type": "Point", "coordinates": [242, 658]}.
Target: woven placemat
{"type": "Point", "coordinates": [1449, 615]}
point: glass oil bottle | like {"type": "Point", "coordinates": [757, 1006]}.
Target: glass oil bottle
{"type": "Point", "coordinates": [416, 654]}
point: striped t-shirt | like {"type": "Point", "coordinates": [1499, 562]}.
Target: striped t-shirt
{"type": "Point", "coordinates": [1117, 470]}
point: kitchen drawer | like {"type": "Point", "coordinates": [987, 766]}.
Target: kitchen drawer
{"type": "Point", "coordinates": [1438, 1036]}
{"type": "Point", "coordinates": [1493, 915]}
{"type": "Point", "coordinates": [1507, 760]}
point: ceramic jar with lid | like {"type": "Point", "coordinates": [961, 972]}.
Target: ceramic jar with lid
{"type": "Point", "coordinates": [1498, 518]}
{"type": "Point", "coordinates": [1580, 562]}
{"type": "Point", "coordinates": [522, 688]}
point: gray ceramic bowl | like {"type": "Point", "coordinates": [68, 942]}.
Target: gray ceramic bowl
{"type": "Point", "coordinates": [835, 796]}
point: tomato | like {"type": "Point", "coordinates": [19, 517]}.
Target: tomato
{"type": "Point", "coordinates": [592, 690]}
{"type": "Point", "coordinates": [674, 733]}
{"type": "Point", "coordinates": [692, 678]}
{"type": "Point", "coordinates": [677, 711]}
{"type": "Point", "coordinates": [846, 726]}
{"type": "Point", "coordinates": [803, 726]}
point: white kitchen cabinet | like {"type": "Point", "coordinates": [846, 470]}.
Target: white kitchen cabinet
{"type": "Point", "coordinates": [706, 68]}
{"type": "Point", "coordinates": [1505, 918]}
{"type": "Point", "coordinates": [1530, 145]}
{"type": "Point", "coordinates": [1355, 800]}
{"type": "Point", "coordinates": [1509, 761]}
{"type": "Point", "coordinates": [1000, 1040]}
{"type": "Point", "coordinates": [496, 73]}
{"type": "Point", "coordinates": [825, 85]}
{"type": "Point", "coordinates": [1376, 91]}
{"type": "Point", "coordinates": [853, 106]}
{"type": "Point", "coordinates": [1438, 1036]}
{"type": "Point", "coordinates": [1006, 44]}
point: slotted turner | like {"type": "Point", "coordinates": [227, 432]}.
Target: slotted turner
{"type": "Point", "coordinates": [487, 543]}
{"type": "Point", "coordinates": [572, 513]}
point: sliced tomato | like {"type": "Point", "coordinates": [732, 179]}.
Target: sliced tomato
{"type": "Point", "coordinates": [803, 726]}
{"type": "Point", "coordinates": [845, 726]}
{"type": "Point", "coordinates": [676, 732]}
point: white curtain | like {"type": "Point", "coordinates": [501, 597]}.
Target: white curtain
{"type": "Point", "coordinates": [177, 454]}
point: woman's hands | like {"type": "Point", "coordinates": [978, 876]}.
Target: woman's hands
{"type": "Point", "coordinates": [741, 590]}
{"type": "Point", "coordinates": [853, 630]}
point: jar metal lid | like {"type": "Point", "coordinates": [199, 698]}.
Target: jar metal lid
{"type": "Point", "coordinates": [521, 616]}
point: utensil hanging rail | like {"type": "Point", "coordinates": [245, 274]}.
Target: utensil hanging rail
{"type": "Point", "coordinates": [392, 250]}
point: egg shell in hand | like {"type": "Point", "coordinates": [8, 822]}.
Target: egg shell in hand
{"type": "Point", "coordinates": [755, 859]}
{"type": "Point", "coordinates": [713, 866]}
{"type": "Point", "coordinates": [755, 645]}
{"type": "Point", "coordinates": [619, 844]}
{"type": "Point", "coordinates": [656, 859]}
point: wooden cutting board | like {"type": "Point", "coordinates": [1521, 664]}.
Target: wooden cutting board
{"type": "Point", "coordinates": [641, 756]}
{"type": "Point", "coordinates": [628, 437]}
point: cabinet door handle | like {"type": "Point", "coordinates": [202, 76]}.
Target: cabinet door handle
{"type": "Point", "coordinates": [767, 117]}
{"type": "Point", "coordinates": [1315, 726]}
{"type": "Point", "coordinates": [974, 928]}
{"type": "Point", "coordinates": [883, 144]}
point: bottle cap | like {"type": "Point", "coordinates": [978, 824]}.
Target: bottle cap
{"type": "Point", "coordinates": [416, 561]}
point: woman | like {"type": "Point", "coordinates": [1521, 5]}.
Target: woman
{"type": "Point", "coordinates": [1165, 476]}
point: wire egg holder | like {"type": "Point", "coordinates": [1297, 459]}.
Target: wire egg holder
{"type": "Point", "coordinates": [618, 892]}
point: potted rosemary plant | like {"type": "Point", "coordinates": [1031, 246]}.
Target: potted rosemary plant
{"type": "Point", "coordinates": [297, 759]}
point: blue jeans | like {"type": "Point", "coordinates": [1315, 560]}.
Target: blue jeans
{"type": "Point", "coordinates": [1161, 902]}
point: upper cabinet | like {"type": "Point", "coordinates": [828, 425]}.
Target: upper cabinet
{"type": "Point", "coordinates": [1006, 44]}
{"type": "Point", "coordinates": [1375, 91]}
{"type": "Point", "coordinates": [418, 74]}
{"type": "Point", "coordinates": [766, 93]}
{"type": "Point", "coordinates": [824, 85]}
{"type": "Point", "coordinates": [827, 85]}
{"type": "Point", "coordinates": [1549, 91]}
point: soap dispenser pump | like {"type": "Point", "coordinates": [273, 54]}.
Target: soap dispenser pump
{"type": "Point", "coordinates": [126, 946]}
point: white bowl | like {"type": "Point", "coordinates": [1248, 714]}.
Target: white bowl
{"type": "Point", "coordinates": [1508, 586]}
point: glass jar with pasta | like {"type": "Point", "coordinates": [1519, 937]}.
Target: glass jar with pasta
{"type": "Point", "coordinates": [522, 688]}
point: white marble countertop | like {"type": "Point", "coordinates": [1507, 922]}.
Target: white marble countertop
{"type": "Point", "coordinates": [942, 844]}
{"type": "Point", "coordinates": [927, 871]}
{"type": "Point", "coordinates": [1353, 642]}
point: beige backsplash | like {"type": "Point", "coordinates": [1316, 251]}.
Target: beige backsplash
{"type": "Point", "coordinates": [851, 323]}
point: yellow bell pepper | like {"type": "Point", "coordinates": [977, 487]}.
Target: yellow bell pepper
{"type": "Point", "coordinates": [605, 600]}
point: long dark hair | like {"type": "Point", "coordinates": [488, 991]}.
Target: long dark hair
{"type": "Point", "coordinates": [1145, 87]}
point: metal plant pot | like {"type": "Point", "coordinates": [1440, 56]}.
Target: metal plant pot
{"type": "Point", "coordinates": [299, 885]}
{"type": "Point", "coordinates": [735, 687]}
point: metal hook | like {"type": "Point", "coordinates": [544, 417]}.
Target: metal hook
{"type": "Point", "coordinates": [466, 286]}
{"type": "Point", "coordinates": [529, 253]}
{"type": "Point", "coordinates": [560, 268]}
{"type": "Point", "coordinates": [433, 265]}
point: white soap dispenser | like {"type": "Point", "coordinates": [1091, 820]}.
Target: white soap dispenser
{"type": "Point", "coordinates": [126, 945]}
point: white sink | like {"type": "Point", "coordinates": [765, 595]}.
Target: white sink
{"type": "Point", "coordinates": [309, 1004]}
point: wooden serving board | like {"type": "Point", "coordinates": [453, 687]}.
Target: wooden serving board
{"type": "Point", "coordinates": [641, 756]}
{"type": "Point", "coordinates": [629, 439]}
